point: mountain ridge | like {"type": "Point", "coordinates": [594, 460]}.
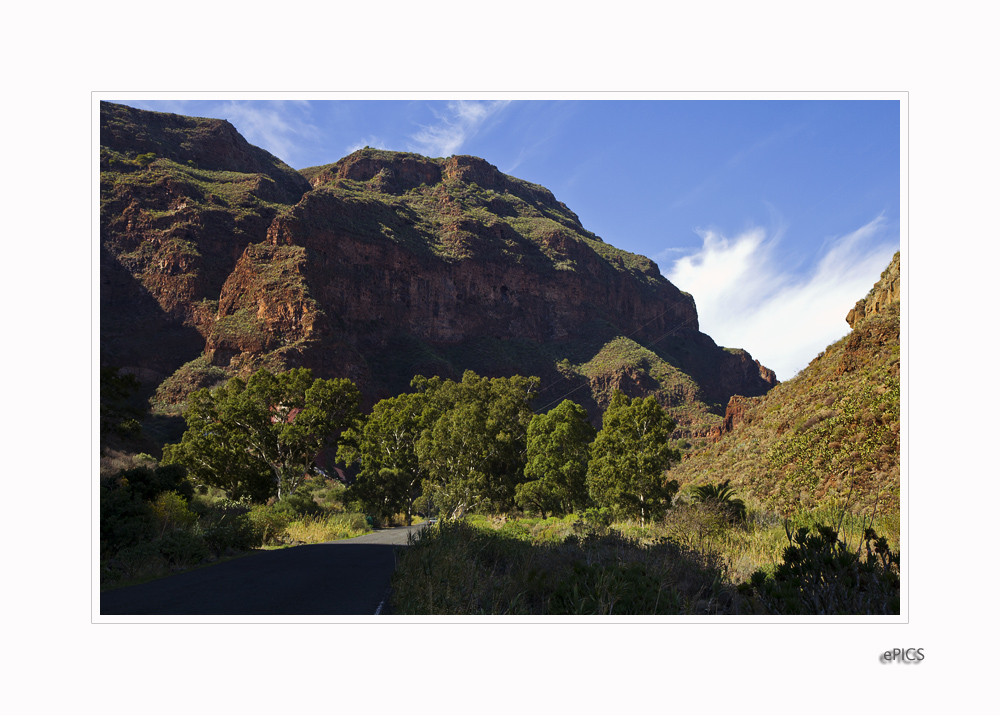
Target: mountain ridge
{"type": "Point", "coordinates": [218, 258]}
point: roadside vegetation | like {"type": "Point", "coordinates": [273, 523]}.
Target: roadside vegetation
{"type": "Point", "coordinates": [696, 560]}
{"type": "Point", "coordinates": [537, 513]}
{"type": "Point", "coordinates": [154, 522]}
{"type": "Point", "coordinates": [159, 516]}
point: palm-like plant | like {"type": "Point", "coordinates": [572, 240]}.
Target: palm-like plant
{"type": "Point", "coordinates": [722, 495]}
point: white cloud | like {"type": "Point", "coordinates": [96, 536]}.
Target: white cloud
{"type": "Point", "coordinates": [277, 127]}
{"type": "Point", "coordinates": [369, 141]}
{"type": "Point", "coordinates": [463, 119]}
{"type": "Point", "coordinates": [784, 319]}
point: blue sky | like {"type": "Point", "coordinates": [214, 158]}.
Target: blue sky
{"type": "Point", "coordinates": [776, 214]}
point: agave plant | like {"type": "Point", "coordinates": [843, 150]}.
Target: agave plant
{"type": "Point", "coordinates": [722, 495]}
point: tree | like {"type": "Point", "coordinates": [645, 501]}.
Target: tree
{"type": "Point", "coordinates": [537, 495]}
{"type": "Point", "coordinates": [474, 452]}
{"type": "Point", "coordinates": [391, 476]}
{"type": "Point", "coordinates": [630, 457]}
{"type": "Point", "coordinates": [263, 437]}
{"type": "Point", "coordinates": [558, 452]}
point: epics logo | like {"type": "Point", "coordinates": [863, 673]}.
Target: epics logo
{"type": "Point", "coordinates": [904, 655]}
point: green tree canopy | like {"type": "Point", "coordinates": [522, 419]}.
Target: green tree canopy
{"type": "Point", "coordinates": [474, 453]}
{"type": "Point", "coordinates": [391, 476]}
{"type": "Point", "coordinates": [630, 457]}
{"type": "Point", "coordinates": [262, 438]}
{"type": "Point", "coordinates": [558, 452]}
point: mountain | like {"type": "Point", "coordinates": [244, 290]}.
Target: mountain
{"type": "Point", "coordinates": [830, 435]}
{"type": "Point", "coordinates": [217, 259]}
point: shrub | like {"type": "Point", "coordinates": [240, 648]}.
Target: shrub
{"type": "Point", "coordinates": [300, 503]}
{"type": "Point", "coordinates": [126, 519]}
{"type": "Point", "coordinates": [723, 497]}
{"type": "Point", "coordinates": [269, 522]}
{"type": "Point", "coordinates": [132, 561]}
{"type": "Point", "coordinates": [598, 516]}
{"type": "Point", "coordinates": [694, 524]}
{"type": "Point", "coordinates": [317, 529]}
{"type": "Point", "coordinates": [233, 531]}
{"type": "Point", "coordinates": [182, 548]}
{"type": "Point", "coordinates": [170, 510]}
{"type": "Point", "coordinates": [114, 462]}
{"type": "Point", "coordinates": [820, 575]}
{"type": "Point", "coordinates": [598, 589]}
{"type": "Point", "coordinates": [149, 481]}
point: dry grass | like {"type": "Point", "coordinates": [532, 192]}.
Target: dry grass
{"type": "Point", "coordinates": [114, 461]}
{"type": "Point", "coordinates": [317, 529]}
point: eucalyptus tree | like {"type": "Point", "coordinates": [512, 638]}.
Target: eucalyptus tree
{"type": "Point", "coordinates": [391, 476]}
{"type": "Point", "coordinates": [630, 458]}
{"type": "Point", "coordinates": [262, 437]}
{"type": "Point", "coordinates": [558, 452]}
{"type": "Point", "coordinates": [474, 452]}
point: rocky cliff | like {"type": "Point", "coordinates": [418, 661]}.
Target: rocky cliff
{"type": "Point", "coordinates": [883, 294]}
{"type": "Point", "coordinates": [218, 257]}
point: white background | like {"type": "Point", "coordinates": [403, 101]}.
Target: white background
{"type": "Point", "coordinates": [61, 655]}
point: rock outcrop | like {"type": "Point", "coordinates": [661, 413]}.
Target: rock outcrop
{"type": "Point", "coordinates": [736, 411]}
{"type": "Point", "coordinates": [884, 293]}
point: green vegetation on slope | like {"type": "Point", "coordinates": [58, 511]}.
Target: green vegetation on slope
{"type": "Point", "coordinates": [827, 437]}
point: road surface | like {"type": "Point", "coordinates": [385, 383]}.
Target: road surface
{"type": "Point", "coordinates": [347, 577]}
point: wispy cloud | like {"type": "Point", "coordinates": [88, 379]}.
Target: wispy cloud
{"type": "Point", "coordinates": [784, 319]}
{"type": "Point", "coordinates": [278, 127]}
{"type": "Point", "coordinates": [370, 141]}
{"type": "Point", "coordinates": [454, 127]}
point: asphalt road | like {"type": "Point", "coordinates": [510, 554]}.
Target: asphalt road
{"type": "Point", "coordinates": [348, 577]}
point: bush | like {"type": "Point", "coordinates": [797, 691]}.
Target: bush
{"type": "Point", "coordinates": [126, 519]}
{"type": "Point", "coordinates": [317, 529]}
{"type": "Point", "coordinates": [695, 524]}
{"type": "Point", "coordinates": [232, 532]}
{"type": "Point", "coordinates": [598, 516]}
{"type": "Point", "coordinates": [149, 481]}
{"type": "Point", "coordinates": [170, 510]}
{"type": "Point", "coordinates": [269, 522]}
{"type": "Point", "coordinates": [820, 575]}
{"type": "Point", "coordinates": [300, 503]}
{"type": "Point", "coordinates": [606, 590]}
{"type": "Point", "coordinates": [555, 529]}
{"type": "Point", "coordinates": [131, 561]}
{"type": "Point", "coordinates": [723, 497]}
{"type": "Point", "coordinates": [182, 548]}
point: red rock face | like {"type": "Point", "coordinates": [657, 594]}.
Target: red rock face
{"type": "Point", "coordinates": [362, 280]}
{"type": "Point", "coordinates": [379, 252]}
{"type": "Point", "coordinates": [736, 411]}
